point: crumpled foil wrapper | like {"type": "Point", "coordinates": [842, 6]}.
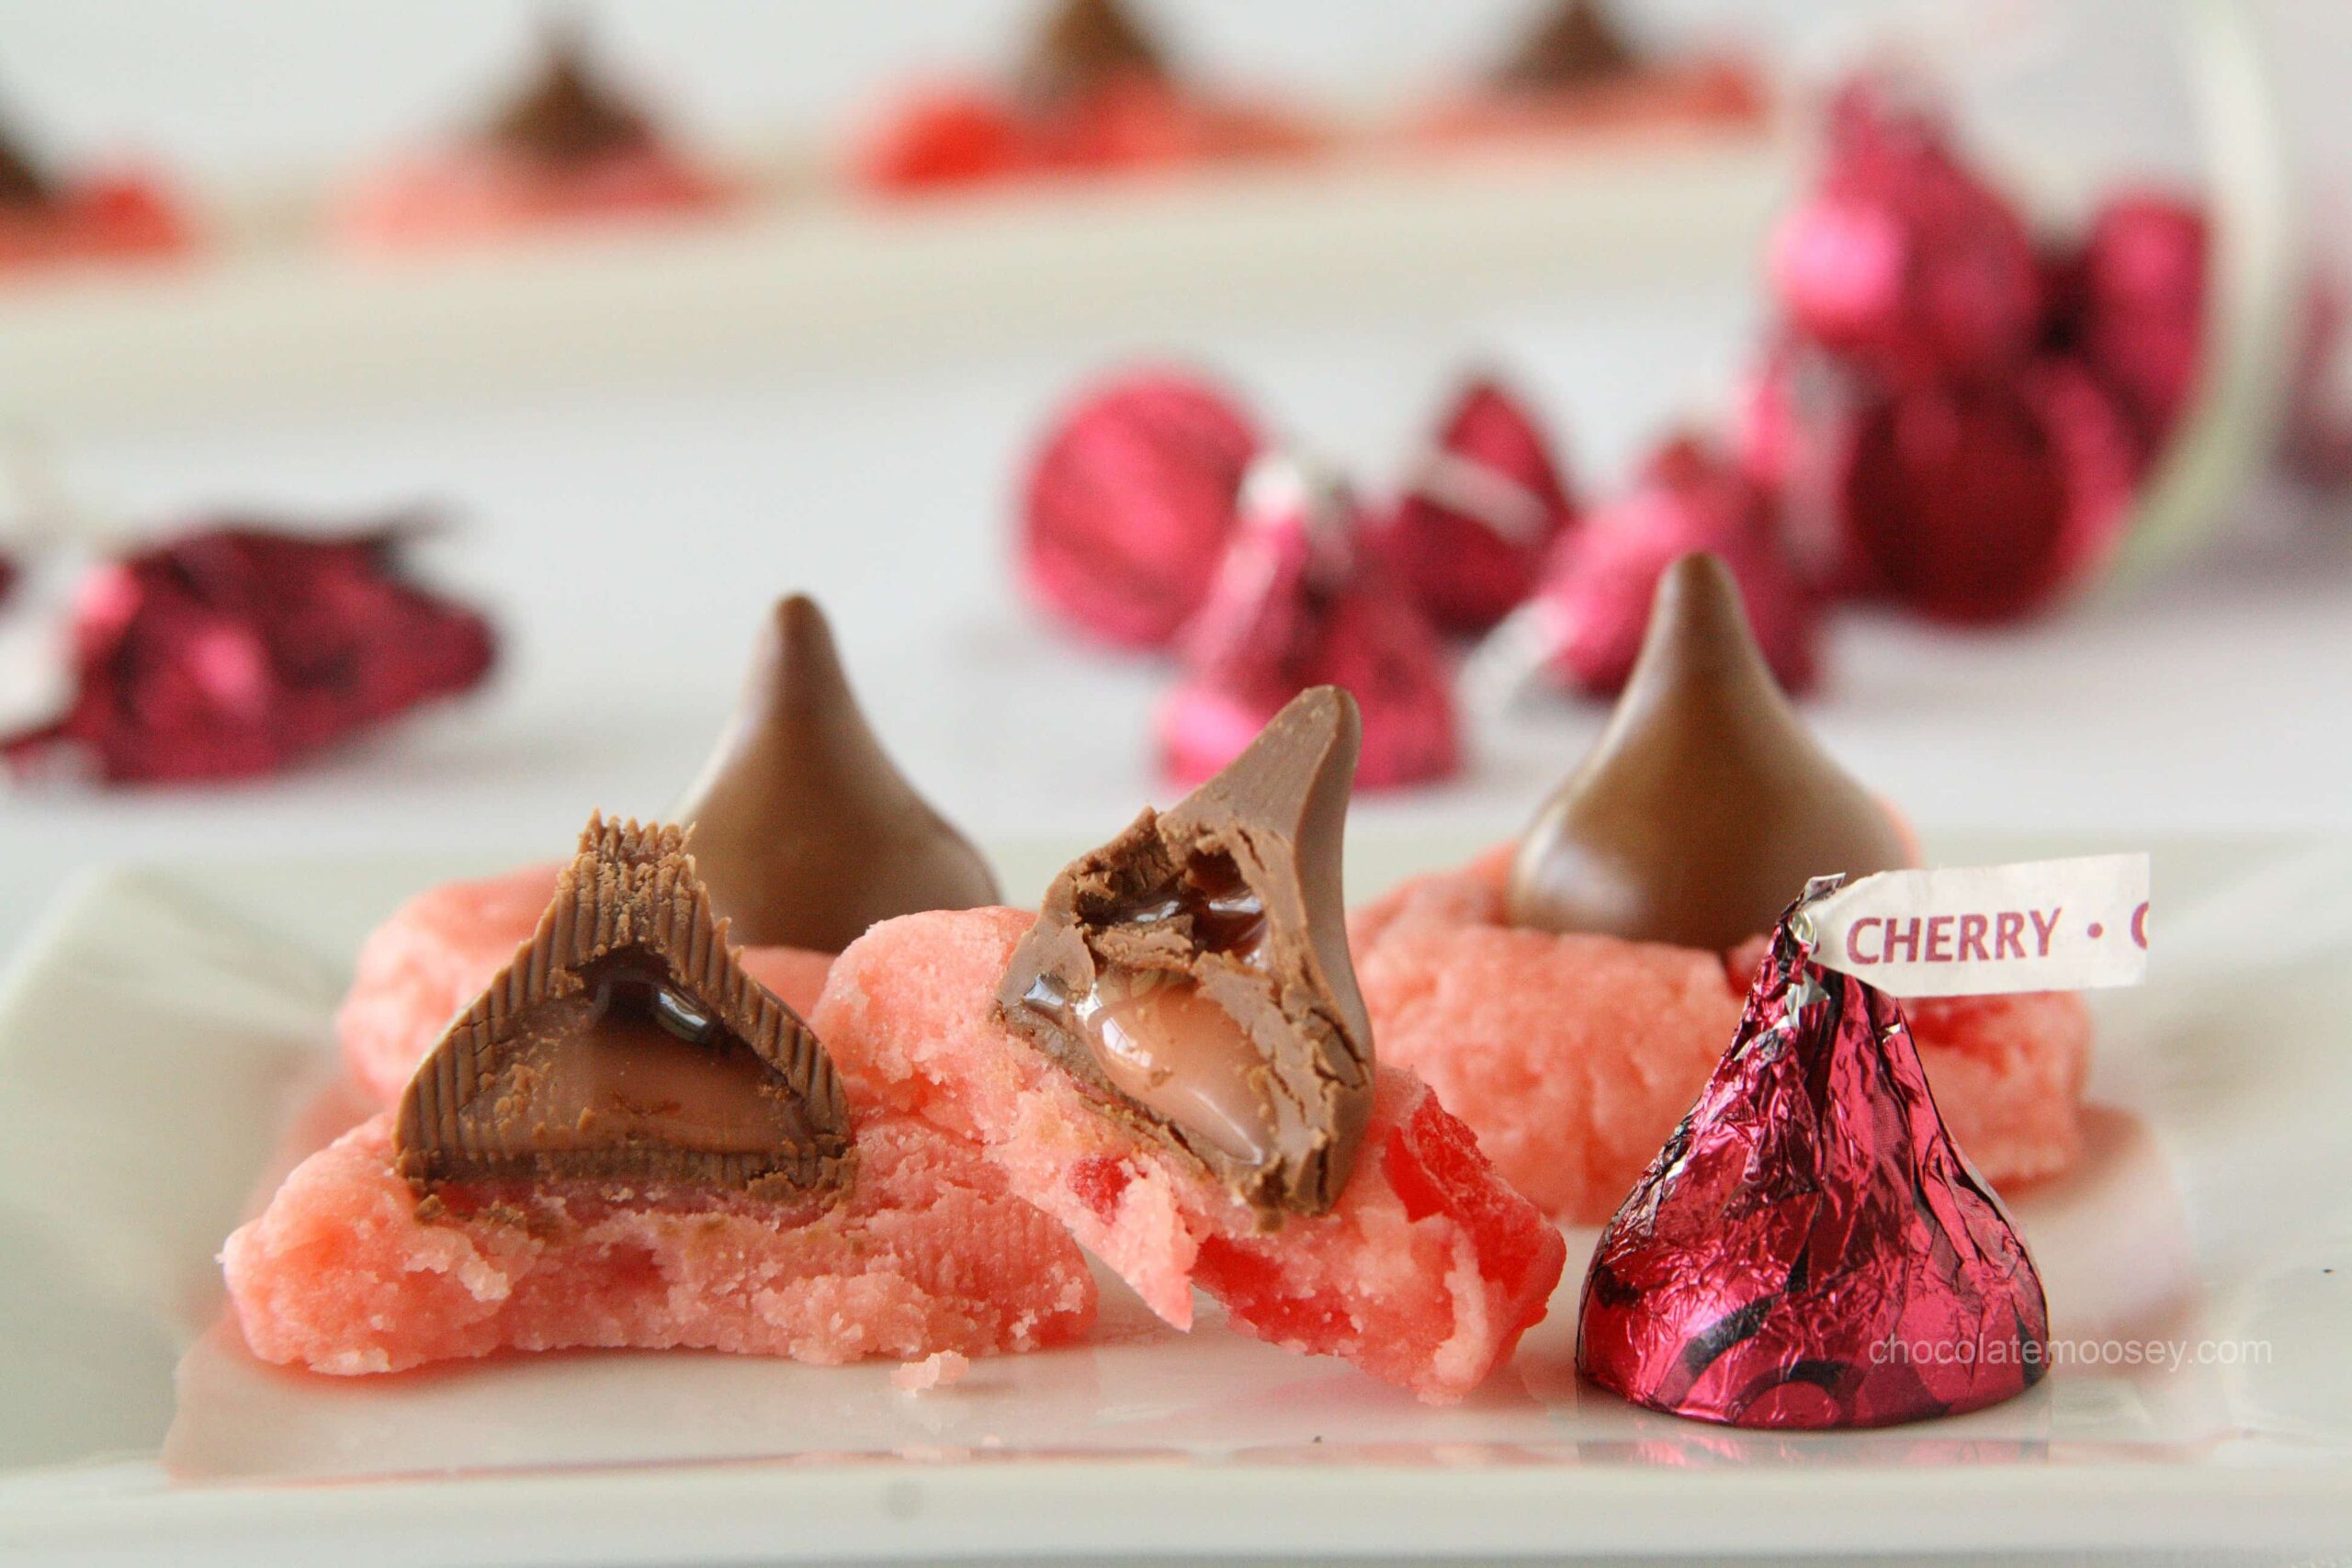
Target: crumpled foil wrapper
{"type": "Point", "coordinates": [237, 649]}
{"type": "Point", "coordinates": [1481, 511]}
{"type": "Point", "coordinates": [1809, 1250]}
{"type": "Point", "coordinates": [1129, 506]}
{"type": "Point", "coordinates": [1302, 601]}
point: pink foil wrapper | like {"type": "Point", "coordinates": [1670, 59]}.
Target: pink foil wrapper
{"type": "Point", "coordinates": [1902, 260]}
{"type": "Point", "coordinates": [1982, 503]}
{"type": "Point", "coordinates": [1481, 513]}
{"type": "Point", "coordinates": [1300, 601]}
{"type": "Point", "coordinates": [1129, 504]}
{"type": "Point", "coordinates": [1809, 1250]}
{"type": "Point", "coordinates": [1688, 497]}
{"type": "Point", "coordinates": [2138, 308]}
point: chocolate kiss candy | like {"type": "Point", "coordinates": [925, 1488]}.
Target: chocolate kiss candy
{"type": "Point", "coordinates": [567, 116]}
{"type": "Point", "coordinates": [1298, 603]}
{"type": "Point", "coordinates": [1193, 972]}
{"type": "Point", "coordinates": [1809, 1249]}
{"type": "Point", "coordinates": [23, 188]}
{"type": "Point", "coordinates": [1704, 801]}
{"type": "Point", "coordinates": [626, 1044]}
{"type": "Point", "coordinates": [802, 830]}
{"type": "Point", "coordinates": [1574, 45]}
{"type": "Point", "coordinates": [1481, 513]}
{"type": "Point", "coordinates": [1085, 45]}
{"type": "Point", "coordinates": [1130, 502]}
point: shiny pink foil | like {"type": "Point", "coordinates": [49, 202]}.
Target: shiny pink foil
{"type": "Point", "coordinates": [1982, 503]}
{"type": "Point", "coordinates": [1301, 600]}
{"type": "Point", "coordinates": [2139, 304]}
{"type": "Point", "coordinates": [1902, 260]}
{"type": "Point", "coordinates": [236, 650]}
{"type": "Point", "coordinates": [1480, 513]}
{"type": "Point", "coordinates": [1688, 497]}
{"type": "Point", "coordinates": [1809, 1250]}
{"type": "Point", "coordinates": [1129, 503]}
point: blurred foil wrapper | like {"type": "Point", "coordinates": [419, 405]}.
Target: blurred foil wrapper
{"type": "Point", "coordinates": [1809, 1250]}
{"type": "Point", "coordinates": [239, 648]}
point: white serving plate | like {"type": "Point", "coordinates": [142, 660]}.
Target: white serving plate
{"type": "Point", "coordinates": [169, 1025]}
{"type": "Point", "coordinates": [272, 321]}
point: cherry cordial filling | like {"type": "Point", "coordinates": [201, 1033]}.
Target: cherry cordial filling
{"type": "Point", "coordinates": [1158, 1036]}
{"type": "Point", "coordinates": [638, 1061]}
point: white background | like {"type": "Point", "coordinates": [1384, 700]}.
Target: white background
{"type": "Point", "coordinates": [628, 534]}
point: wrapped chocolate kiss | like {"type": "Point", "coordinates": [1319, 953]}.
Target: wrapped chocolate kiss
{"type": "Point", "coordinates": [1129, 503]}
{"type": "Point", "coordinates": [1301, 600]}
{"type": "Point", "coordinates": [1481, 511]}
{"type": "Point", "coordinates": [1809, 1250]}
{"type": "Point", "coordinates": [1903, 262]}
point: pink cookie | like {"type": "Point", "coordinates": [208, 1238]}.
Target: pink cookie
{"type": "Point", "coordinates": [926, 1253]}
{"type": "Point", "coordinates": [475, 194]}
{"type": "Point", "coordinates": [1574, 1056]}
{"type": "Point", "coordinates": [439, 950]}
{"type": "Point", "coordinates": [1425, 1272]}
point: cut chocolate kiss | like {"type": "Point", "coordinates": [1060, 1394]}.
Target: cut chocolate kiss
{"type": "Point", "coordinates": [803, 830]}
{"type": "Point", "coordinates": [1706, 805]}
{"type": "Point", "coordinates": [625, 1042]}
{"type": "Point", "coordinates": [1193, 972]}
{"type": "Point", "coordinates": [1574, 45]}
{"type": "Point", "coordinates": [1085, 45]}
{"type": "Point", "coordinates": [1809, 1249]}
{"type": "Point", "coordinates": [567, 115]}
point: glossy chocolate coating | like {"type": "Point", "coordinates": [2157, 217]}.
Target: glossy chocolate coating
{"type": "Point", "coordinates": [1575, 43]}
{"type": "Point", "coordinates": [1235, 894]}
{"type": "Point", "coordinates": [1706, 805]}
{"type": "Point", "coordinates": [566, 115]}
{"type": "Point", "coordinates": [625, 1043]}
{"type": "Point", "coordinates": [1085, 45]}
{"type": "Point", "coordinates": [801, 828]}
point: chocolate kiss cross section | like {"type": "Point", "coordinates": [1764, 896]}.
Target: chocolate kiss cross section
{"type": "Point", "coordinates": [803, 830]}
{"type": "Point", "coordinates": [625, 1042]}
{"type": "Point", "coordinates": [1193, 972]}
{"type": "Point", "coordinates": [1707, 805]}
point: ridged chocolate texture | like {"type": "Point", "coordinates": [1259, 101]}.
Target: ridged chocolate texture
{"type": "Point", "coordinates": [1234, 895]}
{"type": "Point", "coordinates": [625, 1042]}
{"type": "Point", "coordinates": [803, 829]}
{"type": "Point", "coordinates": [566, 115]}
{"type": "Point", "coordinates": [1085, 45]}
{"type": "Point", "coordinates": [1575, 43]}
{"type": "Point", "coordinates": [1706, 805]}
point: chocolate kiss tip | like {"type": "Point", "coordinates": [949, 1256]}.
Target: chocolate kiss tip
{"type": "Point", "coordinates": [804, 829]}
{"type": "Point", "coordinates": [1706, 804]}
{"type": "Point", "coordinates": [1301, 766]}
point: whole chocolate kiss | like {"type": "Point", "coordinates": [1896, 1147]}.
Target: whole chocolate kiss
{"type": "Point", "coordinates": [567, 115]}
{"type": "Point", "coordinates": [1085, 45]}
{"type": "Point", "coordinates": [1575, 44]}
{"type": "Point", "coordinates": [1707, 805]}
{"type": "Point", "coordinates": [802, 829]}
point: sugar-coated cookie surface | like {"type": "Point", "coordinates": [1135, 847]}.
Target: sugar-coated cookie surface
{"type": "Point", "coordinates": [927, 1253]}
{"type": "Point", "coordinates": [1574, 1056]}
{"type": "Point", "coordinates": [1425, 1272]}
{"type": "Point", "coordinates": [438, 950]}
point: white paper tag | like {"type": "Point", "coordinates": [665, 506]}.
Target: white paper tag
{"type": "Point", "coordinates": [2052, 925]}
